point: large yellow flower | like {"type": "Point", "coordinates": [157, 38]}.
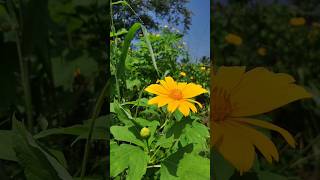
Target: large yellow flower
{"type": "Point", "coordinates": [236, 96]}
{"type": "Point", "coordinates": [176, 94]}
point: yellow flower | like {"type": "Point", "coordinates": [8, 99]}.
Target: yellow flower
{"type": "Point", "coordinates": [191, 77]}
{"type": "Point", "coordinates": [203, 68]}
{"type": "Point", "coordinates": [297, 21]}
{"type": "Point", "coordinates": [233, 39]}
{"type": "Point", "coordinates": [183, 74]}
{"type": "Point", "coordinates": [236, 96]}
{"type": "Point", "coordinates": [262, 51]}
{"type": "Point", "coordinates": [176, 94]}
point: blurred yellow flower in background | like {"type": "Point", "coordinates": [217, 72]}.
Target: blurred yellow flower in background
{"type": "Point", "coordinates": [236, 96]}
{"type": "Point", "coordinates": [183, 74]}
{"type": "Point", "coordinates": [297, 21]}
{"type": "Point", "coordinates": [203, 68]}
{"type": "Point", "coordinates": [176, 94]}
{"type": "Point", "coordinates": [262, 51]}
{"type": "Point", "coordinates": [316, 24]}
{"type": "Point", "coordinates": [233, 39]}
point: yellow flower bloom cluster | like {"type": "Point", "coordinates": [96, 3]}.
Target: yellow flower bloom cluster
{"type": "Point", "coordinates": [297, 21]}
{"type": "Point", "coordinates": [233, 39]}
{"type": "Point", "coordinates": [237, 95]}
{"type": "Point", "coordinates": [177, 95]}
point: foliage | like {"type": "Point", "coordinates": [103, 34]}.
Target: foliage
{"type": "Point", "coordinates": [53, 69]}
{"type": "Point", "coordinates": [174, 12]}
{"type": "Point", "coordinates": [148, 142]}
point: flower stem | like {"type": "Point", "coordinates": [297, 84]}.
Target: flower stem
{"type": "Point", "coordinates": [95, 114]}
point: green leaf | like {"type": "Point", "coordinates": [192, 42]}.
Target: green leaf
{"type": "Point", "coordinates": [165, 142]}
{"type": "Point", "coordinates": [99, 132]}
{"type": "Point", "coordinates": [265, 175]}
{"type": "Point", "coordinates": [38, 164]}
{"type": "Point", "coordinates": [169, 166]}
{"type": "Point", "coordinates": [146, 37]}
{"type": "Point", "coordinates": [124, 52]}
{"type": "Point", "coordinates": [194, 167]}
{"type": "Point", "coordinates": [177, 115]}
{"type": "Point", "coordinates": [119, 32]}
{"type": "Point", "coordinates": [128, 156]}
{"type": "Point", "coordinates": [131, 84]}
{"type": "Point", "coordinates": [123, 114]}
{"type": "Point", "coordinates": [6, 146]}
{"type": "Point", "coordinates": [196, 133]}
{"type": "Point", "coordinates": [222, 170]}
{"type": "Point", "coordinates": [59, 156]}
{"type": "Point", "coordinates": [128, 134]}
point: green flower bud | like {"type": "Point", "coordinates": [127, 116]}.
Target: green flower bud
{"type": "Point", "coordinates": [145, 132]}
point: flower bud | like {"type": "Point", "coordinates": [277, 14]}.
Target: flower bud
{"type": "Point", "coordinates": [145, 132]}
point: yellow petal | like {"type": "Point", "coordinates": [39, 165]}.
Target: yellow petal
{"type": "Point", "coordinates": [172, 106]}
{"type": "Point", "coordinates": [192, 90]}
{"type": "Point", "coordinates": [199, 104]}
{"type": "Point", "coordinates": [217, 131]}
{"type": "Point", "coordinates": [164, 84]}
{"type": "Point", "coordinates": [160, 100]}
{"type": "Point", "coordinates": [171, 84]}
{"type": "Point", "coordinates": [191, 106]}
{"type": "Point", "coordinates": [255, 122]}
{"type": "Point", "coordinates": [228, 77]}
{"type": "Point", "coordinates": [261, 91]}
{"type": "Point", "coordinates": [156, 89]}
{"type": "Point", "coordinates": [235, 147]}
{"type": "Point", "coordinates": [263, 143]}
{"type": "Point", "coordinates": [184, 108]}
{"type": "Point", "coordinates": [181, 86]}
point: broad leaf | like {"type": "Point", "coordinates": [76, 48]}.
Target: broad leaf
{"type": "Point", "coordinates": [128, 157]}
{"type": "Point", "coordinates": [6, 146]}
{"type": "Point", "coordinates": [38, 164]}
{"type": "Point", "coordinates": [128, 134]}
{"type": "Point", "coordinates": [194, 167]}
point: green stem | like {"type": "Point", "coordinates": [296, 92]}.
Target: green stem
{"type": "Point", "coordinates": [95, 114]}
{"type": "Point", "coordinates": [154, 154]}
{"type": "Point", "coordinates": [23, 66]}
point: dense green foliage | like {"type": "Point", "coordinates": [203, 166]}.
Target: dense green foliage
{"type": "Point", "coordinates": [148, 142]}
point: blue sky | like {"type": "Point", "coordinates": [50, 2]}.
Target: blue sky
{"type": "Point", "coordinates": [198, 37]}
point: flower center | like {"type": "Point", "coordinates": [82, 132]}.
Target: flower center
{"type": "Point", "coordinates": [221, 105]}
{"type": "Point", "coordinates": [176, 94]}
